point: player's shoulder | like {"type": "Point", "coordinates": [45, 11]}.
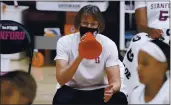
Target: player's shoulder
{"type": "Point", "coordinates": [164, 98]}
{"type": "Point", "coordinates": [136, 92]}
{"type": "Point", "coordinates": [166, 85]}
{"type": "Point", "coordinates": [138, 89]}
{"type": "Point", "coordinates": [166, 90]}
{"type": "Point", "coordinates": [140, 4]}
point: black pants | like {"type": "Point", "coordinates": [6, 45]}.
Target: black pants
{"type": "Point", "coordinates": [68, 95]}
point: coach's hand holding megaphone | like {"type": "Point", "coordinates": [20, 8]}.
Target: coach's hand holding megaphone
{"type": "Point", "coordinates": [89, 47]}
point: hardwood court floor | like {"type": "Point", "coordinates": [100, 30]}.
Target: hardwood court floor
{"type": "Point", "coordinates": [45, 78]}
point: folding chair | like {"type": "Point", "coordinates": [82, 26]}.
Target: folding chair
{"type": "Point", "coordinates": [15, 38]}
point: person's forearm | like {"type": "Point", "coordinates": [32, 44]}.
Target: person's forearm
{"type": "Point", "coordinates": [143, 28]}
{"type": "Point", "coordinates": [116, 85]}
{"type": "Point", "coordinates": [67, 73]}
{"type": "Point", "coordinates": [114, 78]}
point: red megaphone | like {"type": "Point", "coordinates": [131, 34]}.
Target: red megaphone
{"type": "Point", "coordinates": [90, 48]}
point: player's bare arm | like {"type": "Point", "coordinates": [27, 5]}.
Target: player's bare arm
{"type": "Point", "coordinates": [142, 26]}
{"type": "Point", "coordinates": [141, 20]}
{"type": "Point", "coordinates": [65, 72]}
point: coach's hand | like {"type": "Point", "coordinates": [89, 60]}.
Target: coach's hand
{"type": "Point", "coordinates": [108, 92]}
{"type": "Point", "coordinates": [82, 38]}
{"type": "Point", "coordinates": [89, 48]}
{"type": "Point", "coordinates": [155, 33]}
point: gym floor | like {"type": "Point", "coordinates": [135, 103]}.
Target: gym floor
{"type": "Point", "coordinates": [45, 77]}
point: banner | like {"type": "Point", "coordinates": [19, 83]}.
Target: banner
{"type": "Point", "coordinates": [69, 6]}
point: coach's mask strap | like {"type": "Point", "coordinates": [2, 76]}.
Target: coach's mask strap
{"type": "Point", "coordinates": [154, 51]}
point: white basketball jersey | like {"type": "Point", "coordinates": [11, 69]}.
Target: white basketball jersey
{"type": "Point", "coordinates": [162, 97]}
{"type": "Point", "coordinates": [156, 19]}
{"type": "Point", "coordinates": [157, 13]}
{"type": "Point", "coordinates": [130, 61]}
{"type": "Point", "coordinates": [158, 16]}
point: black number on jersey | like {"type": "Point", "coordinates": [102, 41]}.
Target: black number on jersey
{"type": "Point", "coordinates": [130, 55]}
{"type": "Point", "coordinates": [163, 15]}
{"type": "Point", "coordinates": [127, 72]}
{"type": "Point", "coordinates": [136, 38]}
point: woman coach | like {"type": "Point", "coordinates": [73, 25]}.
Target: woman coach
{"type": "Point", "coordinates": [83, 81]}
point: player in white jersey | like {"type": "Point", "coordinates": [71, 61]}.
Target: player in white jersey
{"type": "Point", "coordinates": [83, 81]}
{"type": "Point", "coordinates": [152, 20]}
{"type": "Point", "coordinates": [153, 65]}
{"type": "Point", "coordinates": [130, 61]}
